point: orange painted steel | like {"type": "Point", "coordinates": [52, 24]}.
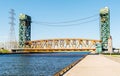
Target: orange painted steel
{"type": "Point", "coordinates": [61, 45]}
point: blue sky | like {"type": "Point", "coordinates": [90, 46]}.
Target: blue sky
{"type": "Point", "coordinates": [59, 11]}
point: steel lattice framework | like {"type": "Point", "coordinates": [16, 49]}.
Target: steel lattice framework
{"type": "Point", "coordinates": [62, 45]}
{"type": "Point", "coordinates": [24, 29]}
{"type": "Point", "coordinates": [104, 27]}
{"type": "Point", "coordinates": [25, 42]}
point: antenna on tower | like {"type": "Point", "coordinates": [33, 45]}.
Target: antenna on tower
{"type": "Point", "coordinates": [12, 37]}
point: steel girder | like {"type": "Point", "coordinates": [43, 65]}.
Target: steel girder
{"type": "Point", "coordinates": [66, 44]}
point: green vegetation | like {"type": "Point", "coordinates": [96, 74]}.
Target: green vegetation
{"type": "Point", "coordinates": [111, 53]}
{"type": "Point", "coordinates": [4, 51]}
{"type": "Point", "coordinates": [116, 55]}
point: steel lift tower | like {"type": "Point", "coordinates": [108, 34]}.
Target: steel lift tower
{"type": "Point", "coordinates": [24, 29]}
{"type": "Point", "coordinates": [104, 27]}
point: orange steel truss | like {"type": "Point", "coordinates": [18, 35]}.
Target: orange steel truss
{"type": "Point", "coordinates": [61, 45]}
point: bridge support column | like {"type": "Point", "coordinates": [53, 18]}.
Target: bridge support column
{"type": "Point", "coordinates": [98, 48]}
{"type": "Point", "coordinates": [104, 27]}
{"type": "Point", "coordinates": [24, 29]}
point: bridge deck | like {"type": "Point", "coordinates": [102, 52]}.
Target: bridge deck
{"type": "Point", "coordinates": [95, 65]}
{"type": "Point", "coordinates": [51, 49]}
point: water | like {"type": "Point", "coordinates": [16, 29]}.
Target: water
{"type": "Point", "coordinates": [45, 64]}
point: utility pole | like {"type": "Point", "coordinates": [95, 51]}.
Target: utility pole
{"type": "Point", "coordinates": [12, 37]}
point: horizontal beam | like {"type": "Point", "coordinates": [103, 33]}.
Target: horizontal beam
{"type": "Point", "coordinates": [51, 50]}
{"type": "Point", "coordinates": [65, 39]}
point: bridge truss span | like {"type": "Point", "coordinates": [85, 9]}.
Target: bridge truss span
{"type": "Point", "coordinates": [62, 44]}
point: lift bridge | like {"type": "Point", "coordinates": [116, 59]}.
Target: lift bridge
{"type": "Point", "coordinates": [67, 44]}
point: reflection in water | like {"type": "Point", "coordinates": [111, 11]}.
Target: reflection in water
{"type": "Point", "coordinates": [36, 64]}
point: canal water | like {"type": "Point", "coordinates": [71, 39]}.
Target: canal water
{"type": "Point", "coordinates": [44, 64]}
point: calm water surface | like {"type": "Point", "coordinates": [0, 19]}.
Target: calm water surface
{"type": "Point", "coordinates": [45, 64]}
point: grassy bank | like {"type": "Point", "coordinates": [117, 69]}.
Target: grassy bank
{"type": "Point", "coordinates": [116, 55]}
{"type": "Point", "coordinates": [111, 53]}
{"type": "Point", "coordinates": [4, 51]}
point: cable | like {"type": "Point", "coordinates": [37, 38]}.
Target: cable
{"type": "Point", "coordinates": [71, 21]}
{"type": "Point", "coordinates": [70, 24]}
